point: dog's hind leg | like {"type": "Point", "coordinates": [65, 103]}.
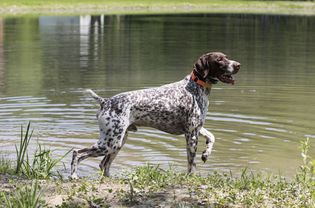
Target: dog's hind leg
{"type": "Point", "coordinates": [191, 146]}
{"type": "Point", "coordinates": [79, 155]}
{"type": "Point", "coordinates": [210, 139]}
{"type": "Point", "coordinates": [108, 159]}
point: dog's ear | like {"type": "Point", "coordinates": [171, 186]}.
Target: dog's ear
{"type": "Point", "coordinates": [202, 66]}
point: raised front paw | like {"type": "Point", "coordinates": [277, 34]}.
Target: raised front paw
{"type": "Point", "coordinates": [204, 156]}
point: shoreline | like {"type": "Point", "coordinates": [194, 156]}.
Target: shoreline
{"type": "Point", "coordinates": [36, 185]}
{"type": "Point", "coordinates": [150, 186]}
{"type": "Point", "coordinates": [159, 7]}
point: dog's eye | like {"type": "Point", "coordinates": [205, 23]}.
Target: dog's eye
{"type": "Point", "coordinates": [220, 59]}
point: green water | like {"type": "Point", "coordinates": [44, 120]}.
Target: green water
{"type": "Point", "coordinates": [47, 62]}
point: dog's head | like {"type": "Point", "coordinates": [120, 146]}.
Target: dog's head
{"type": "Point", "coordinates": [215, 66]}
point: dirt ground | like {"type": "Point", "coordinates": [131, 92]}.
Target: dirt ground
{"type": "Point", "coordinates": [95, 193]}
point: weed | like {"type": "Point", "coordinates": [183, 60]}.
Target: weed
{"type": "Point", "coordinates": [150, 177]}
{"type": "Point", "coordinates": [6, 166]}
{"type": "Point", "coordinates": [28, 196]}
{"type": "Point", "coordinates": [42, 164]}
{"type": "Point", "coordinates": [307, 169]}
{"type": "Point", "coordinates": [21, 151]}
{"type": "Point", "coordinates": [225, 190]}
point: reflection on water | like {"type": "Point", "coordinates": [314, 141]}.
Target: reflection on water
{"type": "Point", "coordinates": [47, 62]}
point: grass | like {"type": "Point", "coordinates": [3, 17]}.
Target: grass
{"type": "Point", "coordinates": [226, 190]}
{"type": "Point", "coordinates": [150, 6]}
{"type": "Point", "coordinates": [151, 186]}
{"type": "Point", "coordinates": [25, 197]}
{"type": "Point", "coordinates": [21, 150]}
{"type": "Point", "coordinates": [39, 167]}
{"type": "Point", "coordinates": [6, 166]}
{"type": "Point", "coordinates": [221, 189]}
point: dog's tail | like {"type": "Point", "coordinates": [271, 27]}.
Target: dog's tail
{"type": "Point", "coordinates": [99, 99]}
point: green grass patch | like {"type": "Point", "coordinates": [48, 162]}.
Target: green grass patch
{"type": "Point", "coordinates": [225, 190]}
{"type": "Point", "coordinates": [6, 166]}
{"type": "Point", "coordinates": [220, 189]}
{"type": "Point", "coordinates": [21, 149]}
{"type": "Point", "coordinates": [150, 6]}
{"type": "Point", "coordinates": [39, 165]}
{"type": "Point", "coordinates": [23, 197]}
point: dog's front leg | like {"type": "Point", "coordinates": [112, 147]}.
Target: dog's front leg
{"type": "Point", "coordinates": [191, 146]}
{"type": "Point", "coordinates": [210, 139]}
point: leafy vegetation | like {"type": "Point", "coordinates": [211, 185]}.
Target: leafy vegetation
{"type": "Point", "coordinates": [6, 166]}
{"type": "Point", "coordinates": [225, 190]}
{"type": "Point", "coordinates": [42, 164]}
{"type": "Point", "coordinates": [21, 150]}
{"type": "Point", "coordinates": [40, 167]}
{"type": "Point", "coordinates": [25, 197]}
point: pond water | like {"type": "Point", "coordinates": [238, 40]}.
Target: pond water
{"type": "Point", "coordinates": [47, 62]}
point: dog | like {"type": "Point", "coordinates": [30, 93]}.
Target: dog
{"type": "Point", "coordinates": [176, 108]}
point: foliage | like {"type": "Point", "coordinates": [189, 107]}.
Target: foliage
{"type": "Point", "coordinates": [248, 190]}
{"type": "Point", "coordinates": [6, 166]}
{"type": "Point", "coordinates": [306, 173]}
{"type": "Point", "coordinates": [25, 197]}
{"type": "Point", "coordinates": [225, 190]}
{"type": "Point", "coordinates": [307, 170]}
{"type": "Point", "coordinates": [43, 162]}
{"type": "Point", "coordinates": [153, 175]}
{"type": "Point", "coordinates": [21, 150]}
{"type": "Point", "coordinates": [157, 6]}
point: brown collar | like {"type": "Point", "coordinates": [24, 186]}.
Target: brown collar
{"type": "Point", "coordinates": [199, 81]}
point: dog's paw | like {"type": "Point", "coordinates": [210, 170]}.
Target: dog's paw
{"type": "Point", "coordinates": [74, 176]}
{"type": "Point", "coordinates": [204, 156]}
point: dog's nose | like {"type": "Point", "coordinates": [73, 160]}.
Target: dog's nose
{"type": "Point", "coordinates": [236, 67]}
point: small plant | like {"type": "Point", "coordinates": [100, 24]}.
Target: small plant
{"type": "Point", "coordinates": [26, 197]}
{"type": "Point", "coordinates": [307, 169]}
{"type": "Point", "coordinates": [150, 177]}
{"type": "Point", "coordinates": [6, 166]}
{"type": "Point", "coordinates": [21, 151]}
{"type": "Point", "coordinates": [42, 164]}
{"type": "Point", "coordinates": [306, 174]}
{"type": "Point", "coordinates": [146, 181]}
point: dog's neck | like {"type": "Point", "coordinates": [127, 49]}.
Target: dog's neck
{"type": "Point", "coordinates": [195, 88]}
{"type": "Point", "coordinates": [200, 81]}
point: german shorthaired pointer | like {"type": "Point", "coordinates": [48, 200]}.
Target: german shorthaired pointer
{"type": "Point", "coordinates": [176, 108]}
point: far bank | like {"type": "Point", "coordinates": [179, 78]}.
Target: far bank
{"type": "Point", "coordinates": [67, 7]}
